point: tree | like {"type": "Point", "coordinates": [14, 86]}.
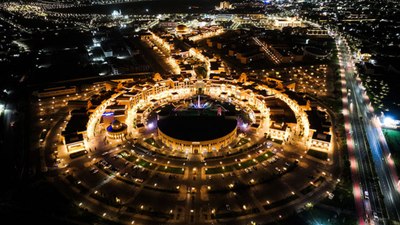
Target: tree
{"type": "Point", "coordinates": [201, 72]}
{"type": "Point", "coordinates": [157, 77]}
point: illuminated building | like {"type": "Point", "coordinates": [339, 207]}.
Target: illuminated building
{"type": "Point", "coordinates": [182, 29]}
{"type": "Point", "coordinates": [224, 5]}
{"type": "Point", "coordinates": [116, 130]}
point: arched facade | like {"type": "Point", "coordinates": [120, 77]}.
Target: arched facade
{"type": "Point", "coordinates": [199, 146]}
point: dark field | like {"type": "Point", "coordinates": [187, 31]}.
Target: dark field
{"type": "Point", "coordinates": [153, 7]}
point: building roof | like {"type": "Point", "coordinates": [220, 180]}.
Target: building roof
{"type": "Point", "coordinates": [278, 126]}
{"type": "Point", "coordinates": [77, 103]}
{"type": "Point", "coordinates": [294, 96]}
{"type": "Point", "coordinates": [317, 120]}
{"type": "Point", "coordinates": [72, 138]}
{"type": "Point", "coordinates": [215, 65]}
{"type": "Point", "coordinates": [81, 111]}
{"type": "Point", "coordinates": [76, 124]}
{"type": "Point", "coordinates": [116, 107]}
{"type": "Point", "coordinates": [119, 113]}
{"type": "Point", "coordinates": [123, 98]}
{"type": "Point", "coordinates": [322, 137]}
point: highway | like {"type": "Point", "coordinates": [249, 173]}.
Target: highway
{"type": "Point", "coordinates": [368, 151]}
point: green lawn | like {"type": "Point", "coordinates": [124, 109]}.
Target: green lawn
{"type": "Point", "coordinates": [170, 169]}
{"type": "Point", "coordinates": [263, 157]}
{"type": "Point", "coordinates": [128, 156]}
{"type": "Point", "coordinates": [245, 164]}
{"type": "Point", "coordinates": [137, 161]}
{"type": "Point", "coordinates": [343, 198]}
{"type": "Point", "coordinates": [241, 142]}
{"type": "Point", "coordinates": [214, 170]}
{"type": "Point", "coordinates": [393, 140]}
{"type": "Point", "coordinates": [146, 164]}
{"type": "Point", "coordinates": [152, 142]}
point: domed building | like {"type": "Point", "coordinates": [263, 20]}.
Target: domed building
{"type": "Point", "coordinates": [116, 130]}
{"type": "Point", "coordinates": [182, 29]}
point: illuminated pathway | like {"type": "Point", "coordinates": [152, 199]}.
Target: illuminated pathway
{"type": "Point", "coordinates": [270, 55]}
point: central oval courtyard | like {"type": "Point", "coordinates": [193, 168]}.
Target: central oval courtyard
{"type": "Point", "coordinates": [199, 123]}
{"type": "Point", "coordinates": [196, 128]}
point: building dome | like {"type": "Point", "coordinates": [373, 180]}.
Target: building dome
{"type": "Point", "coordinates": [116, 125]}
{"type": "Point", "coordinates": [182, 29]}
{"type": "Point", "coordinates": [116, 129]}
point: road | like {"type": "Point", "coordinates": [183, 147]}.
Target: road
{"type": "Point", "coordinates": [367, 136]}
{"type": "Point", "coordinates": [267, 51]}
